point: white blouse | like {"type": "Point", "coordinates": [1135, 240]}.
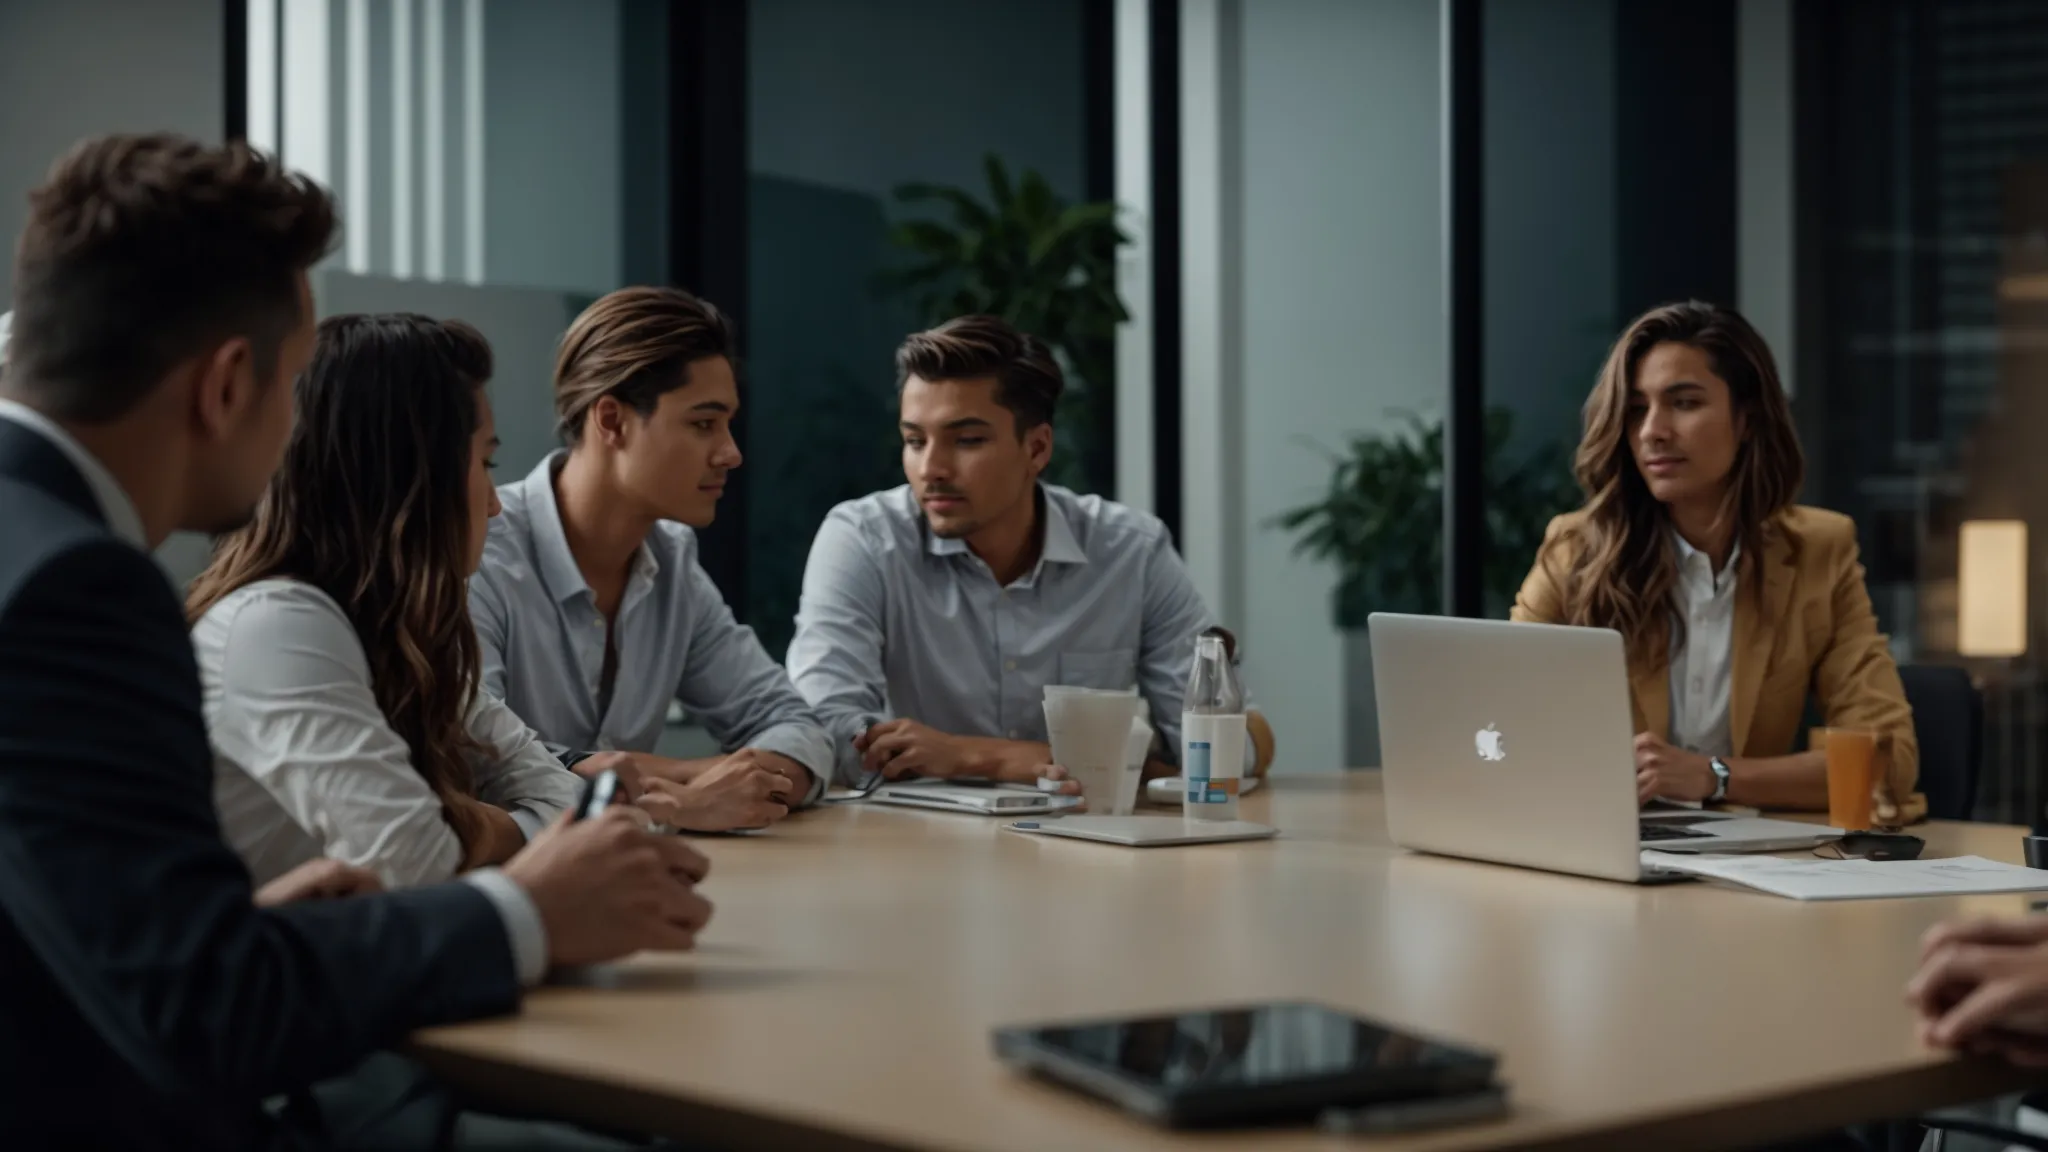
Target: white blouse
{"type": "Point", "coordinates": [305, 763]}
{"type": "Point", "coordinates": [1702, 663]}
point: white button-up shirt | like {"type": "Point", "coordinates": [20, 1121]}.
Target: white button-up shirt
{"type": "Point", "coordinates": [895, 621]}
{"type": "Point", "coordinates": [305, 763]}
{"type": "Point", "coordinates": [1702, 667]}
{"type": "Point", "coordinates": [674, 638]}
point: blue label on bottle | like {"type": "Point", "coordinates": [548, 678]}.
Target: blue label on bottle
{"type": "Point", "coordinates": [1196, 772]}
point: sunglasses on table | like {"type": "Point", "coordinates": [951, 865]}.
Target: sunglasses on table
{"type": "Point", "coordinates": [1873, 846]}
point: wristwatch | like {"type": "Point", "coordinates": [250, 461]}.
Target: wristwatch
{"type": "Point", "coordinates": [1720, 769]}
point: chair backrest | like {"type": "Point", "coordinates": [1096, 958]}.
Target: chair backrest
{"type": "Point", "coordinates": [1948, 715]}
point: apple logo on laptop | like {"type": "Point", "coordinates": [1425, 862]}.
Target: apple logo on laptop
{"type": "Point", "coordinates": [1487, 740]}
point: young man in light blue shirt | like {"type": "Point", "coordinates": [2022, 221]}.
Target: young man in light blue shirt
{"type": "Point", "coordinates": [934, 615]}
{"type": "Point", "coordinates": [591, 608]}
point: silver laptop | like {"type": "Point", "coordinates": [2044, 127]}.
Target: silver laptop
{"type": "Point", "coordinates": [1512, 743]}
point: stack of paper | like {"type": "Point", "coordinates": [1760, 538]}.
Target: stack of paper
{"type": "Point", "coordinates": [1817, 879]}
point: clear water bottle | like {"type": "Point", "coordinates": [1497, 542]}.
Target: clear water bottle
{"type": "Point", "coordinates": [1212, 733]}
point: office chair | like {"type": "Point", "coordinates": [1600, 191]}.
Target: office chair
{"type": "Point", "coordinates": [1948, 715]}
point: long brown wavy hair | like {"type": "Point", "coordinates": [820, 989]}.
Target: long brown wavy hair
{"type": "Point", "coordinates": [371, 506]}
{"type": "Point", "coordinates": [1616, 566]}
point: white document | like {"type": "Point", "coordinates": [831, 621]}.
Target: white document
{"type": "Point", "coordinates": [1817, 879]}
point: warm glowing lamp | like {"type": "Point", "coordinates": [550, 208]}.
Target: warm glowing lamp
{"type": "Point", "coordinates": [1992, 589]}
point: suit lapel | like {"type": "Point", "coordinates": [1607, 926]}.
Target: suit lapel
{"type": "Point", "coordinates": [1758, 621]}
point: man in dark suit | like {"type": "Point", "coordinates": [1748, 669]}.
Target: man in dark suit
{"type": "Point", "coordinates": [161, 312]}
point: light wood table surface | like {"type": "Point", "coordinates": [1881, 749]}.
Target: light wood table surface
{"type": "Point", "coordinates": [859, 956]}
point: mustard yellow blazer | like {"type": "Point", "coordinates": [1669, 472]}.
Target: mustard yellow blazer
{"type": "Point", "coordinates": [1812, 630]}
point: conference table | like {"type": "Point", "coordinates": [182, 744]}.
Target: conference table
{"type": "Point", "coordinates": [844, 992]}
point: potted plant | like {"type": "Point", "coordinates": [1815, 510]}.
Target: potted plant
{"type": "Point", "coordinates": [1380, 521]}
{"type": "Point", "coordinates": [1045, 265]}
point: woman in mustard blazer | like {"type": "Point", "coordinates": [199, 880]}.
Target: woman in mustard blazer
{"type": "Point", "coordinates": [1733, 603]}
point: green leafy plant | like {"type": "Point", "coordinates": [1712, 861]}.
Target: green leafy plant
{"type": "Point", "coordinates": [1381, 519]}
{"type": "Point", "coordinates": [1046, 266]}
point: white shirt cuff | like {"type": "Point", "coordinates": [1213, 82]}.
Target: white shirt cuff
{"type": "Point", "coordinates": [528, 935]}
{"type": "Point", "coordinates": [529, 821]}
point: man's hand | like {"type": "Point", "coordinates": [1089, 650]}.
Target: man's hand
{"type": "Point", "coordinates": [741, 791]}
{"type": "Point", "coordinates": [624, 765]}
{"type": "Point", "coordinates": [1984, 987]}
{"type": "Point", "coordinates": [636, 767]}
{"type": "Point", "coordinates": [321, 879]}
{"type": "Point", "coordinates": [799, 777]}
{"type": "Point", "coordinates": [2023, 931]}
{"type": "Point", "coordinates": [899, 748]}
{"type": "Point", "coordinates": [1673, 773]}
{"type": "Point", "coordinates": [606, 888]}
{"type": "Point", "coordinates": [1068, 785]}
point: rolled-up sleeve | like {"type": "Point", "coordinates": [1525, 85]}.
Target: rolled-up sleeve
{"type": "Point", "coordinates": [299, 717]}
{"type": "Point", "coordinates": [835, 658]}
{"type": "Point", "coordinates": [1174, 616]}
{"type": "Point", "coordinates": [740, 695]}
{"type": "Point", "coordinates": [520, 775]}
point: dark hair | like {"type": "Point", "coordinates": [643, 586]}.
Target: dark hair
{"type": "Point", "coordinates": [634, 345]}
{"type": "Point", "coordinates": [1028, 379]}
{"type": "Point", "coordinates": [1618, 569]}
{"type": "Point", "coordinates": [371, 506]}
{"type": "Point", "coordinates": [143, 251]}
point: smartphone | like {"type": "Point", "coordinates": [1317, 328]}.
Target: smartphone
{"type": "Point", "coordinates": [1256, 1064]}
{"type": "Point", "coordinates": [1421, 1115]}
{"type": "Point", "coordinates": [598, 793]}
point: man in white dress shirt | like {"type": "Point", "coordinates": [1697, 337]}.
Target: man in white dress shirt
{"type": "Point", "coordinates": [591, 608]}
{"type": "Point", "coordinates": [934, 614]}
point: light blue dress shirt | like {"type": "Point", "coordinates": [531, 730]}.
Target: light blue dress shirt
{"type": "Point", "coordinates": [543, 642]}
{"type": "Point", "coordinates": [895, 621]}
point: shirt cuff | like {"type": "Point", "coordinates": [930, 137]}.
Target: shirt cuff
{"type": "Point", "coordinates": [805, 744]}
{"type": "Point", "coordinates": [529, 821]}
{"type": "Point", "coordinates": [523, 928]}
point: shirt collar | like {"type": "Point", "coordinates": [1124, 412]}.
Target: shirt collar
{"type": "Point", "coordinates": [1061, 545]}
{"type": "Point", "coordinates": [557, 564]}
{"type": "Point", "coordinates": [1686, 552]}
{"type": "Point", "coordinates": [122, 519]}
{"type": "Point", "coordinates": [552, 558]}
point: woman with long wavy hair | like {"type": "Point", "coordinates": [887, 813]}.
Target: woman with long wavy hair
{"type": "Point", "coordinates": [1733, 602]}
{"type": "Point", "coordinates": [333, 633]}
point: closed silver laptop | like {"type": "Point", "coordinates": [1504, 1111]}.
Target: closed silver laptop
{"type": "Point", "coordinates": [1512, 743]}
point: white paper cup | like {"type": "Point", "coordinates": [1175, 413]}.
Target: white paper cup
{"type": "Point", "coordinates": [1135, 748]}
{"type": "Point", "coordinates": [1090, 734]}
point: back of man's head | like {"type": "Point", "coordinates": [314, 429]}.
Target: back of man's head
{"type": "Point", "coordinates": [1027, 378]}
{"type": "Point", "coordinates": [142, 252]}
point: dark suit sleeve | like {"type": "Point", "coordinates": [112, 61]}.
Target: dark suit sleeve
{"type": "Point", "coordinates": [113, 869]}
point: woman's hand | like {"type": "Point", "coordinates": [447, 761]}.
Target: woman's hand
{"type": "Point", "coordinates": [1671, 772]}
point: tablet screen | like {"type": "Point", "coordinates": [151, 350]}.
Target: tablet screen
{"type": "Point", "coordinates": [1253, 1047]}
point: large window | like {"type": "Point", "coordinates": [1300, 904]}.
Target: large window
{"type": "Point", "coordinates": [1924, 306]}
{"type": "Point", "coordinates": [846, 104]}
{"type": "Point", "coordinates": [508, 161]}
{"type": "Point", "coordinates": [503, 163]}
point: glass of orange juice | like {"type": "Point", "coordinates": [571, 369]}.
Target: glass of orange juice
{"type": "Point", "coordinates": [1852, 776]}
